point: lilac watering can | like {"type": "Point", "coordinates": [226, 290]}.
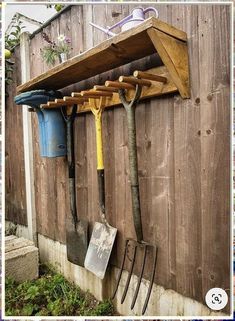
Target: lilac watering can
{"type": "Point", "coordinates": [134, 19]}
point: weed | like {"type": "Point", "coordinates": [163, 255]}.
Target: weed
{"type": "Point", "coordinates": [52, 295]}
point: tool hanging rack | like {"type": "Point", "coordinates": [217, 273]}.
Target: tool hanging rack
{"type": "Point", "coordinates": [154, 82]}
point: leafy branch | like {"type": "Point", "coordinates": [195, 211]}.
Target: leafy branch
{"type": "Point", "coordinates": [12, 39]}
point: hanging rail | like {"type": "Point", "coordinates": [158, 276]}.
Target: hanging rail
{"type": "Point", "coordinates": [154, 82]}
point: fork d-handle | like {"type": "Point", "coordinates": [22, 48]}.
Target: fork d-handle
{"type": "Point", "coordinates": [71, 163]}
{"type": "Point", "coordinates": [100, 162]}
{"type": "Point", "coordinates": [130, 111]}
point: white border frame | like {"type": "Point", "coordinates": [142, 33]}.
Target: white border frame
{"type": "Point", "coordinates": [220, 2]}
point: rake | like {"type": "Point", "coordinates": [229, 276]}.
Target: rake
{"type": "Point", "coordinates": [139, 243]}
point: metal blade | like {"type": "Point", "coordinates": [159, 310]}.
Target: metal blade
{"type": "Point", "coordinates": [76, 241]}
{"type": "Point", "coordinates": [100, 248]}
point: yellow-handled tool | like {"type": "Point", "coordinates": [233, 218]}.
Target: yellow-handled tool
{"type": "Point", "coordinates": [99, 146]}
{"type": "Point", "coordinates": [103, 234]}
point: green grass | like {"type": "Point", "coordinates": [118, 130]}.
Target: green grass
{"type": "Point", "coordinates": [51, 295]}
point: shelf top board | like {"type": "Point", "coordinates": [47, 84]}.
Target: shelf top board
{"type": "Point", "coordinates": [119, 50]}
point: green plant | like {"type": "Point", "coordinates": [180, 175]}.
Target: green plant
{"type": "Point", "coordinates": [8, 72]}
{"type": "Point", "coordinates": [58, 6]}
{"type": "Point", "coordinates": [104, 308]}
{"type": "Point", "coordinates": [49, 56]}
{"type": "Point", "coordinates": [54, 49]}
{"type": "Point", "coordinates": [51, 295]}
{"type": "Point", "coordinates": [12, 39]}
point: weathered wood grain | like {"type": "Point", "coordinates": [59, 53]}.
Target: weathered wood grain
{"type": "Point", "coordinates": [215, 152]}
{"type": "Point", "coordinates": [187, 170]}
{"type": "Point", "coordinates": [174, 54]}
{"type": "Point", "coordinates": [15, 193]}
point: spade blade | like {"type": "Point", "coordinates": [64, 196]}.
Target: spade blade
{"type": "Point", "coordinates": [100, 248]}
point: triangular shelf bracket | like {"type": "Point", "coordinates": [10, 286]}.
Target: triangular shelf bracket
{"type": "Point", "coordinates": [174, 55]}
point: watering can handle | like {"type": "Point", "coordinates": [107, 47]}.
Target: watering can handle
{"type": "Point", "coordinates": [151, 9]}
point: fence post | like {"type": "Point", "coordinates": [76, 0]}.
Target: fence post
{"type": "Point", "coordinates": [28, 143]}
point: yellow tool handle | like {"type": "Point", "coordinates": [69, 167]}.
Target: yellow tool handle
{"type": "Point", "coordinates": [99, 145]}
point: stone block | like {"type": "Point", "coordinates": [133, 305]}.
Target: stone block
{"type": "Point", "coordinates": [21, 259]}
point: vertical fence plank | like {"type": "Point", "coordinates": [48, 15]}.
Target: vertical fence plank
{"type": "Point", "coordinates": [15, 193]}
{"type": "Point", "coordinates": [215, 137]}
{"type": "Point", "coordinates": [28, 144]}
{"type": "Point", "coordinates": [187, 168]}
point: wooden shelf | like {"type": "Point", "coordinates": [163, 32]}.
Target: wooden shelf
{"type": "Point", "coordinates": [147, 38]}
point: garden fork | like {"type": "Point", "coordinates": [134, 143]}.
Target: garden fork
{"type": "Point", "coordinates": [139, 243]}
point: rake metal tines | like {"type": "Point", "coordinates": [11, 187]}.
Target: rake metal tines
{"type": "Point", "coordinates": [145, 246]}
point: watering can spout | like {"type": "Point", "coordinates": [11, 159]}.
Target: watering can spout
{"type": "Point", "coordinates": [135, 18]}
{"type": "Point", "coordinates": [105, 30]}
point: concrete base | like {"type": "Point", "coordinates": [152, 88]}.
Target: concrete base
{"type": "Point", "coordinates": [163, 303]}
{"type": "Point", "coordinates": [21, 259]}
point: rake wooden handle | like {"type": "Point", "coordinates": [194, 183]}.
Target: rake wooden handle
{"type": "Point", "coordinates": [135, 81]}
{"type": "Point", "coordinates": [74, 100]}
{"type": "Point", "coordinates": [104, 88]}
{"type": "Point", "coordinates": [91, 95]}
{"type": "Point", "coordinates": [76, 94]}
{"type": "Point", "coordinates": [59, 101]}
{"type": "Point", "coordinates": [146, 75]}
{"type": "Point", "coordinates": [119, 85]}
{"type": "Point", "coordinates": [64, 103]}
{"type": "Point", "coordinates": [52, 104]}
{"type": "Point", "coordinates": [88, 93]}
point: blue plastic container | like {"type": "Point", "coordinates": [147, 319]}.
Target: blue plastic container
{"type": "Point", "coordinates": [42, 133]}
{"type": "Point", "coordinates": [55, 133]}
{"type": "Point", "coordinates": [52, 129]}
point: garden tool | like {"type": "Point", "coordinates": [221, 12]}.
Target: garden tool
{"type": "Point", "coordinates": [103, 234]}
{"type": "Point", "coordinates": [135, 18]}
{"type": "Point", "coordinates": [76, 229]}
{"type": "Point", "coordinates": [52, 133]}
{"type": "Point", "coordinates": [136, 211]}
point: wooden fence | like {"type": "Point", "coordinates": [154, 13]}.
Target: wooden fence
{"type": "Point", "coordinates": [14, 156]}
{"type": "Point", "coordinates": [183, 153]}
